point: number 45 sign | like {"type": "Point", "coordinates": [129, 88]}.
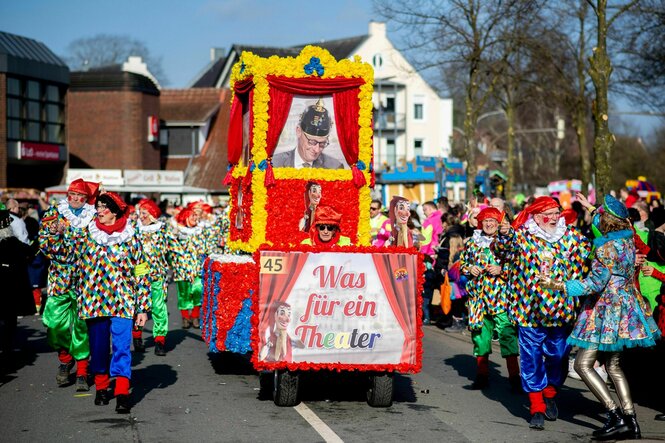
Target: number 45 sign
{"type": "Point", "coordinates": [273, 265]}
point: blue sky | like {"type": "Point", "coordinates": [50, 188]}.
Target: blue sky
{"type": "Point", "coordinates": [182, 32]}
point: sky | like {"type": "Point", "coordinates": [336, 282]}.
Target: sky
{"type": "Point", "coordinates": [182, 32]}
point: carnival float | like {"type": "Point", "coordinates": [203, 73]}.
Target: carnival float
{"type": "Point", "coordinates": [300, 165]}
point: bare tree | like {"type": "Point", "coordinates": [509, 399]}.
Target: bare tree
{"type": "Point", "coordinates": [600, 70]}
{"type": "Point", "coordinates": [106, 50]}
{"type": "Point", "coordinates": [462, 35]}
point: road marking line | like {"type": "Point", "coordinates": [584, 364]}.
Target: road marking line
{"type": "Point", "coordinates": [319, 426]}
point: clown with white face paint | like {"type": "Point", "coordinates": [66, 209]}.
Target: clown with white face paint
{"type": "Point", "coordinates": [62, 228]}
{"type": "Point", "coordinates": [539, 238]}
{"type": "Point", "coordinates": [395, 231]}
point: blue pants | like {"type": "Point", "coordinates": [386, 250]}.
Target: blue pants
{"type": "Point", "coordinates": [101, 332]}
{"type": "Point", "coordinates": [543, 355]}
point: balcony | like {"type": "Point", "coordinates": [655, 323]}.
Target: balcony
{"type": "Point", "coordinates": [389, 121]}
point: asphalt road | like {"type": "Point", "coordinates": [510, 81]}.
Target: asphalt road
{"type": "Point", "coordinates": [191, 395]}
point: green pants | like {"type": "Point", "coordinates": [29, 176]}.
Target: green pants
{"type": "Point", "coordinates": [482, 339]}
{"type": "Point", "coordinates": [65, 330]}
{"type": "Point", "coordinates": [189, 294]}
{"type": "Point", "coordinates": [160, 313]}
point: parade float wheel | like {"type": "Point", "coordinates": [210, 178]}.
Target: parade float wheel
{"type": "Point", "coordinates": [285, 391]}
{"type": "Point", "coordinates": [380, 392]}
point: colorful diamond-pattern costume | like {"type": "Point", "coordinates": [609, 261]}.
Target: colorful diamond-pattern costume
{"type": "Point", "coordinates": [488, 305]}
{"type": "Point", "coordinates": [188, 270]}
{"type": "Point", "coordinates": [487, 293]}
{"type": "Point", "coordinates": [161, 249]}
{"type": "Point", "coordinates": [110, 286]}
{"type": "Point", "coordinates": [65, 331]}
{"type": "Point", "coordinates": [531, 305]}
{"type": "Point", "coordinates": [542, 315]}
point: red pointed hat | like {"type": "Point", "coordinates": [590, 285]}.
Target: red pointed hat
{"type": "Point", "coordinates": [150, 206]}
{"type": "Point", "coordinates": [81, 186]}
{"type": "Point", "coordinates": [489, 212]}
{"type": "Point", "coordinates": [325, 215]}
{"type": "Point", "coordinates": [540, 204]}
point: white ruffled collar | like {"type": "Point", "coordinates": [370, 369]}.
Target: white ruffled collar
{"type": "Point", "coordinates": [482, 240]}
{"type": "Point", "coordinates": [153, 227]}
{"type": "Point", "coordinates": [186, 231]}
{"type": "Point", "coordinates": [104, 239]}
{"type": "Point", "coordinates": [536, 230]}
{"type": "Point", "coordinates": [77, 221]}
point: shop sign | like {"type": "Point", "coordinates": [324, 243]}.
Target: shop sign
{"type": "Point", "coordinates": [40, 151]}
{"type": "Point", "coordinates": [141, 177]}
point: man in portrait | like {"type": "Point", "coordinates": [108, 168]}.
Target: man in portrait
{"type": "Point", "coordinates": [313, 136]}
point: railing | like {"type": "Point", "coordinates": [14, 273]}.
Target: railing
{"type": "Point", "coordinates": [388, 121]}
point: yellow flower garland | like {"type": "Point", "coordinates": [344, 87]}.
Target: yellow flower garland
{"type": "Point", "coordinates": [251, 65]}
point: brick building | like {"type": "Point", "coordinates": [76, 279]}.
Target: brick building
{"type": "Point", "coordinates": [109, 110]}
{"type": "Point", "coordinates": [33, 87]}
{"type": "Point", "coordinates": [197, 122]}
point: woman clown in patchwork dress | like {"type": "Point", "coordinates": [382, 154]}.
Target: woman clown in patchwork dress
{"type": "Point", "coordinates": [161, 249]}
{"type": "Point", "coordinates": [614, 317]}
{"type": "Point", "coordinates": [487, 302]}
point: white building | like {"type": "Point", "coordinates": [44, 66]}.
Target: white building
{"type": "Point", "coordinates": [410, 118]}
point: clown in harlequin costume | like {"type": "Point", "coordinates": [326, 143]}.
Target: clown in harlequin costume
{"type": "Point", "coordinates": [161, 249]}
{"type": "Point", "coordinates": [326, 231]}
{"type": "Point", "coordinates": [209, 227]}
{"type": "Point", "coordinates": [63, 227]}
{"type": "Point", "coordinates": [540, 239]}
{"type": "Point", "coordinates": [187, 270]}
{"type": "Point", "coordinates": [394, 231]}
{"type": "Point", "coordinates": [312, 200]}
{"type": "Point", "coordinates": [487, 302]}
{"type": "Point", "coordinates": [614, 317]}
{"type": "Point", "coordinates": [113, 288]}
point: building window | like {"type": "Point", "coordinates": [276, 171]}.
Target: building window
{"type": "Point", "coordinates": [391, 153]}
{"type": "Point", "coordinates": [377, 61]}
{"type": "Point", "coordinates": [418, 113]}
{"type": "Point", "coordinates": [35, 111]}
{"type": "Point", "coordinates": [417, 147]}
{"type": "Point", "coordinates": [183, 141]}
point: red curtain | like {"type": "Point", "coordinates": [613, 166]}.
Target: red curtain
{"type": "Point", "coordinates": [278, 113]}
{"type": "Point", "coordinates": [346, 119]}
{"type": "Point", "coordinates": [314, 86]}
{"type": "Point", "coordinates": [234, 143]}
{"type": "Point", "coordinates": [345, 100]}
{"type": "Point", "coordinates": [277, 287]}
{"type": "Point", "coordinates": [402, 296]}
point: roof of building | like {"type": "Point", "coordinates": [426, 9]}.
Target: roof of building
{"type": "Point", "coordinates": [25, 56]}
{"type": "Point", "coordinates": [339, 48]}
{"type": "Point", "coordinates": [188, 105]}
{"type": "Point", "coordinates": [27, 48]}
{"type": "Point", "coordinates": [209, 74]}
{"type": "Point", "coordinates": [111, 78]}
{"type": "Point", "coordinates": [209, 168]}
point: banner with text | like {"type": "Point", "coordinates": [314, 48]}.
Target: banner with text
{"type": "Point", "coordinates": [337, 309]}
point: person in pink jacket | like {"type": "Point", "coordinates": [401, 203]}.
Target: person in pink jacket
{"type": "Point", "coordinates": [431, 229]}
